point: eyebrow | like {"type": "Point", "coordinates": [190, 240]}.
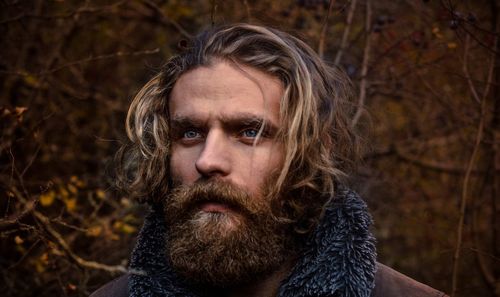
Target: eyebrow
{"type": "Point", "coordinates": [185, 122]}
{"type": "Point", "coordinates": [233, 121]}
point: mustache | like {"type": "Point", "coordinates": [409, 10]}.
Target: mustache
{"type": "Point", "coordinates": [185, 199]}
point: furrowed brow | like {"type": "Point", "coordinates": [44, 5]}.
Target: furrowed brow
{"type": "Point", "coordinates": [238, 120]}
{"type": "Point", "coordinates": [185, 122]}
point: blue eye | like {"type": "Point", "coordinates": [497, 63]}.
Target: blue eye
{"type": "Point", "coordinates": [250, 133]}
{"type": "Point", "coordinates": [190, 134]}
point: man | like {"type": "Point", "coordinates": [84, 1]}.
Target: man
{"type": "Point", "coordinates": [240, 144]}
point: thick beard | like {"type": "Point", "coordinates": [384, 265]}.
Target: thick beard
{"type": "Point", "coordinates": [224, 249]}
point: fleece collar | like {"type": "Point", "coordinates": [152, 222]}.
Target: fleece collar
{"type": "Point", "coordinates": [339, 259]}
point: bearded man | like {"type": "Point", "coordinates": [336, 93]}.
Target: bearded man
{"type": "Point", "coordinates": [241, 145]}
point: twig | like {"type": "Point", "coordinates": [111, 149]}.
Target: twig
{"type": "Point", "coordinates": [433, 165]}
{"type": "Point", "coordinates": [465, 69]}
{"type": "Point", "coordinates": [102, 57]}
{"type": "Point", "coordinates": [45, 222]}
{"type": "Point", "coordinates": [442, 98]}
{"type": "Point", "coordinates": [249, 13]}
{"type": "Point", "coordinates": [495, 148]}
{"type": "Point", "coordinates": [488, 255]}
{"type": "Point", "coordinates": [85, 9]}
{"type": "Point", "coordinates": [453, 13]}
{"type": "Point", "coordinates": [451, 10]}
{"type": "Point", "coordinates": [463, 202]}
{"type": "Point", "coordinates": [213, 12]}
{"type": "Point", "coordinates": [166, 20]}
{"type": "Point", "coordinates": [485, 271]}
{"type": "Point", "coordinates": [472, 160]}
{"type": "Point", "coordinates": [32, 159]}
{"type": "Point", "coordinates": [25, 255]}
{"type": "Point", "coordinates": [89, 59]}
{"type": "Point", "coordinates": [6, 223]}
{"type": "Point", "coordinates": [484, 45]}
{"type": "Point", "coordinates": [322, 37]}
{"type": "Point", "coordinates": [69, 226]}
{"type": "Point", "coordinates": [364, 69]}
{"type": "Point", "coordinates": [345, 35]}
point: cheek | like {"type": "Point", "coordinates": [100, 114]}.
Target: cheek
{"type": "Point", "coordinates": [182, 168]}
{"type": "Point", "coordinates": [267, 165]}
{"type": "Point", "coordinates": [276, 157]}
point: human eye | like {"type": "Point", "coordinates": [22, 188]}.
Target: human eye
{"type": "Point", "coordinates": [191, 134]}
{"type": "Point", "coordinates": [252, 136]}
{"type": "Point", "coordinates": [250, 133]}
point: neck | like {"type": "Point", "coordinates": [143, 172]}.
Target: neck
{"type": "Point", "coordinates": [267, 287]}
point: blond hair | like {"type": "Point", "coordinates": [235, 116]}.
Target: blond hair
{"type": "Point", "coordinates": [320, 146]}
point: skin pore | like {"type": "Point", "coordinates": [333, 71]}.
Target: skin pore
{"type": "Point", "coordinates": [223, 118]}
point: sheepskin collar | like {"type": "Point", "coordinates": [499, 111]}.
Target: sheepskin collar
{"type": "Point", "coordinates": [339, 259]}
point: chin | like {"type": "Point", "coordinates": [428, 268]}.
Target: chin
{"type": "Point", "coordinates": [216, 222]}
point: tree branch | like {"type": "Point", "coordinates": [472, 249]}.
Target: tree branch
{"type": "Point", "coordinates": [364, 69]}
{"type": "Point", "coordinates": [59, 240]}
{"type": "Point", "coordinates": [483, 266]}
{"type": "Point", "coordinates": [164, 19]}
{"type": "Point", "coordinates": [322, 37]}
{"type": "Point", "coordinates": [471, 163]}
{"type": "Point", "coordinates": [345, 35]}
{"type": "Point", "coordinates": [247, 8]}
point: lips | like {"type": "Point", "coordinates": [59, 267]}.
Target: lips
{"type": "Point", "coordinates": [215, 207]}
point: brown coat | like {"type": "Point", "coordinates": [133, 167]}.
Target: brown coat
{"type": "Point", "coordinates": [388, 283]}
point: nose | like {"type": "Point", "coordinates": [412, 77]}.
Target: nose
{"type": "Point", "coordinates": [214, 159]}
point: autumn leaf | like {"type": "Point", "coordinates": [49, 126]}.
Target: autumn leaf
{"type": "Point", "coordinates": [70, 204]}
{"type": "Point", "coordinates": [128, 229]}
{"type": "Point", "coordinates": [124, 227]}
{"type": "Point", "coordinates": [42, 262]}
{"type": "Point", "coordinates": [18, 240]}
{"type": "Point", "coordinates": [100, 194]}
{"type": "Point", "coordinates": [64, 193]}
{"type": "Point", "coordinates": [77, 182]}
{"type": "Point", "coordinates": [72, 189]}
{"type": "Point", "coordinates": [46, 199]}
{"type": "Point", "coordinates": [32, 80]}
{"type": "Point", "coordinates": [94, 231]}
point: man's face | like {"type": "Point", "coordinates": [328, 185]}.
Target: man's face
{"type": "Point", "coordinates": [216, 113]}
{"type": "Point", "coordinates": [223, 158]}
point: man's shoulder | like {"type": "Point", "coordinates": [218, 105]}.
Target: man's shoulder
{"type": "Point", "coordinates": [115, 288]}
{"type": "Point", "coordinates": [390, 283]}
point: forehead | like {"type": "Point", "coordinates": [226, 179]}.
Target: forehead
{"type": "Point", "coordinates": [223, 88]}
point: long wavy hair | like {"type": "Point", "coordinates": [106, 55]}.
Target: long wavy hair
{"type": "Point", "coordinates": [320, 147]}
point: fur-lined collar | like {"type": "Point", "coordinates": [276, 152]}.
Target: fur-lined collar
{"type": "Point", "coordinates": [339, 259]}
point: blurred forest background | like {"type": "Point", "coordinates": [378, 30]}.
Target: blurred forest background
{"type": "Point", "coordinates": [425, 72]}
